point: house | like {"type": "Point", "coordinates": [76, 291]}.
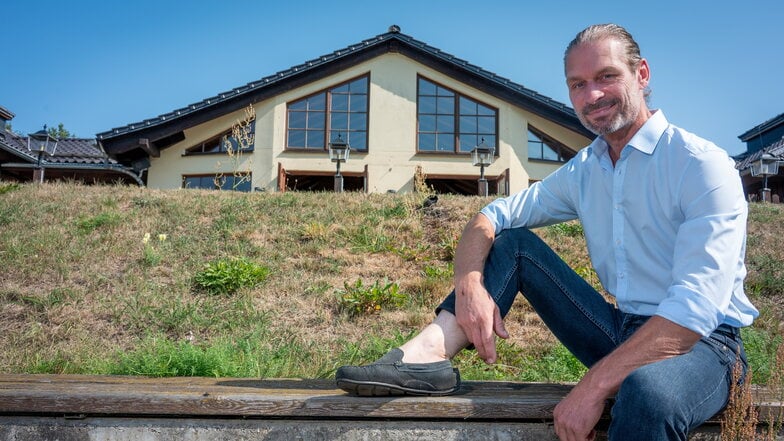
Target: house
{"type": "Point", "coordinates": [764, 143]}
{"type": "Point", "coordinates": [405, 108]}
{"type": "Point", "coordinates": [76, 159]}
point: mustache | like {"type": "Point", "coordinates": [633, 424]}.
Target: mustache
{"type": "Point", "coordinates": [607, 102]}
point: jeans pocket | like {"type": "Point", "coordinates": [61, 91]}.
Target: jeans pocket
{"type": "Point", "coordinates": [724, 347]}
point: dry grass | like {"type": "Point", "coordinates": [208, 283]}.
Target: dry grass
{"type": "Point", "coordinates": [78, 290]}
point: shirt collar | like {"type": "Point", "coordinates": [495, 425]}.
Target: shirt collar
{"type": "Point", "coordinates": [644, 140]}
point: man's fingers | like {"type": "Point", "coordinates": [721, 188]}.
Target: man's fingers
{"type": "Point", "coordinates": [498, 324]}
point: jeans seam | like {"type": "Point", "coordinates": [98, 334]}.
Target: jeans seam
{"type": "Point", "coordinates": [555, 281]}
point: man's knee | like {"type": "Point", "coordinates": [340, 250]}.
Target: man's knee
{"type": "Point", "coordinates": [644, 405]}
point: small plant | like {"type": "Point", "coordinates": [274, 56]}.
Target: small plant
{"type": "Point", "coordinates": [7, 188]}
{"type": "Point", "coordinates": [226, 276]}
{"type": "Point", "coordinates": [151, 255]}
{"type": "Point", "coordinates": [568, 229]}
{"type": "Point", "coordinates": [358, 298]}
{"type": "Point", "coordinates": [85, 225]}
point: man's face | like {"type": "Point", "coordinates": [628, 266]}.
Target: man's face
{"type": "Point", "coordinates": [607, 96]}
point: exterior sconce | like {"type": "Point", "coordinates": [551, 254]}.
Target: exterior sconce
{"type": "Point", "coordinates": [41, 142]}
{"type": "Point", "coordinates": [338, 152]}
{"type": "Point", "coordinates": [766, 165]}
{"type": "Point", "coordinates": [482, 156]}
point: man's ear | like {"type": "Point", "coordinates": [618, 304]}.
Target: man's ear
{"type": "Point", "coordinates": [643, 73]}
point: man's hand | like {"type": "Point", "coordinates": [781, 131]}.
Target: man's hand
{"type": "Point", "coordinates": [479, 317]}
{"type": "Point", "coordinates": [576, 415]}
{"type": "Point", "coordinates": [476, 312]}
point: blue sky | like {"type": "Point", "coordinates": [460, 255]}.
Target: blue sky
{"type": "Point", "coordinates": [94, 65]}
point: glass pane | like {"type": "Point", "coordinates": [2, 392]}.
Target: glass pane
{"type": "Point", "coordinates": [548, 153]}
{"type": "Point", "coordinates": [427, 104]}
{"type": "Point", "coordinates": [357, 140]}
{"type": "Point", "coordinates": [212, 146]}
{"type": "Point", "coordinates": [237, 183]}
{"type": "Point", "coordinates": [358, 121]}
{"type": "Point", "coordinates": [468, 124]}
{"type": "Point", "coordinates": [446, 106]}
{"type": "Point", "coordinates": [299, 105]}
{"type": "Point", "coordinates": [314, 139]}
{"type": "Point", "coordinates": [296, 138]}
{"type": "Point", "coordinates": [427, 142]}
{"type": "Point", "coordinates": [467, 142]}
{"type": "Point", "coordinates": [340, 89]}
{"type": "Point", "coordinates": [190, 182]}
{"type": "Point", "coordinates": [359, 86]}
{"type": "Point", "coordinates": [427, 123]}
{"type": "Point", "coordinates": [444, 92]}
{"type": "Point", "coordinates": [532, 137]}
{"type": "Point", "coordinates": [358, 103]}
{"type": "Point", "coordinates": [339, 103]}
{"type": "Point", "coordinates": [316, 120]}
{"type": "Point", "coordinates": [445, 142]}
{"type": "Point", "coordinates": [490, 141]}
{"type": "Point", "coordinates": [338, 121]}
{"type": "Point", "coordinates": [426, 87]}
{"type": "Point", "coordinates": [445, 123]}
{"type": "Point", "coordinates": [467, 107]}
{"type": "Point", "coordinates": [484, 110]}
{"type": "Point", "coordinates": [534, 150]}
{"type": "Point", "coordinates": [297, 120]}
{"type": "Point", "coordinates": [486, 124]}
{"type": "Point", "coordinates": [317, 102]}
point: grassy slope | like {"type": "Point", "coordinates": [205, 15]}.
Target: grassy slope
{"type": "Point", "coordinates": [81, 293]}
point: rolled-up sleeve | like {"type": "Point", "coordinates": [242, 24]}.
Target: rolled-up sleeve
{"type": "Point", "coordinates": [709, 246]}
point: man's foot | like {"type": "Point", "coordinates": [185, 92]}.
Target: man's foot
{"type": "Point", "coordinates": [389, 375]}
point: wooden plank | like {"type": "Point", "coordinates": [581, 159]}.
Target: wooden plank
{"type": "Point", "coordinates": [236, 397]}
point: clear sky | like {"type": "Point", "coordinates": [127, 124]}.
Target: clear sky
{"type": "Point", "coordinates": [93, 65]}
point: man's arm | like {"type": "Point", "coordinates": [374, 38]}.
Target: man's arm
{"type": "Point", "coordinates": [476, 312]}
{"type": "Point", "coordinates": [658, 339]}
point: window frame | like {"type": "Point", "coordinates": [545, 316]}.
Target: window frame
{"type": "Point", "coordinates": [327, 130]}
{"type": "Point", "coordinates": [212, 176]}
{"type": "Point", "coordinates": [564, 153]}
{"type": "Point", "coordinates": [455, 120]}
{"type": "Point", "coordinates": [227, 134]}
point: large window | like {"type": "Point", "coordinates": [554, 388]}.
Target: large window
{"type": "Point", "coordinates": [450, 122]}
{"type": "Point", "coordinates": [221, 143]}
{"type": "Point", "coordinates": [315, 120]}
{"type": "Point", "coordinates": [543, 148]}
{"type": "Point", "coordinates": [239, 182]}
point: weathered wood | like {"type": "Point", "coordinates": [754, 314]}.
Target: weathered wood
{"type": "Point", "coordinates": [234, 397]}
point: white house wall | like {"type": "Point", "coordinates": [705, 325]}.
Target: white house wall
{"type": "Point", "coordinates": [391, 159]}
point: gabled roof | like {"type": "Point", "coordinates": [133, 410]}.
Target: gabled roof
{"type": "Point", "coordinates": [68, 151]}
{"type": "Point", "coordinates": [163, 129]}
{"type": "Point", "coordinates": [5, 114]}
{"type": "Point", "coordinates": [762, 128]}
{"type": "Point", "coordinates": [776, 149]}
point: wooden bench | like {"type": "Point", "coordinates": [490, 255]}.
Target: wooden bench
{"type": "Point", "coordinates": [185, 408]}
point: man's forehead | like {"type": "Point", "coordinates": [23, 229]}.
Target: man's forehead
{"type": "Point", "coordinates": [595, 55]}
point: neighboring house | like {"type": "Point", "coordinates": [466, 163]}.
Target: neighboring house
{"type": "Point", "coordinates": [72, 159]}
{"type": "Point", "coordinates": [403, 106]}
{"type": "Point", "coordinates": [766, 138]}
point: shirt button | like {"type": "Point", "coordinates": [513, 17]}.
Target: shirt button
{"type": "Point", "coordinates": [620, 275]}
{"type": "Point", "coordinates": [618, 242]}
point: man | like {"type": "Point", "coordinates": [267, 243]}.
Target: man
{"type": "Point", "coordinates": [665, 224]}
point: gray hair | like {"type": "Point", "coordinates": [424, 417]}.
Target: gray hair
{"type": "Point", "coordinates": [609, 31]}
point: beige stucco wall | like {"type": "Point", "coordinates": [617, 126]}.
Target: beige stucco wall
{"type": "Point", "coordinates": [391, 159]}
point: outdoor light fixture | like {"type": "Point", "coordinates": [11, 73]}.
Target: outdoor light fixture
{"type": "Point", "coordinates": [482, 156]}
{"type": "Point", "coordinates": [338, 152]}
{"type": "Point", "coordinates": [41, 142]}
{"type": "Point", "coordinates": [766, 165]}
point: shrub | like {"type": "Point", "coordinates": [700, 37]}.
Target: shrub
{"type": "Point", "coordinates": [227, 275]}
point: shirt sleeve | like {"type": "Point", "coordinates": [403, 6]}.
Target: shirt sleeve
{"type": "Point", "coordinates": [543, 203]}
{"type": "Point", "coordinates": [710, 244]}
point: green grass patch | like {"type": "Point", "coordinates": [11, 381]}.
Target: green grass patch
{"type": "Point", "coordinates": [226, 276]}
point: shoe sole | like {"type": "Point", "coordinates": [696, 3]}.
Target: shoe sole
{"type": "Point", "coordinates": [375, 389]}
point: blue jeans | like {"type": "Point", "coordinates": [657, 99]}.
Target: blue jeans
{"type": "Point", "coordinates": [659, 401]}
